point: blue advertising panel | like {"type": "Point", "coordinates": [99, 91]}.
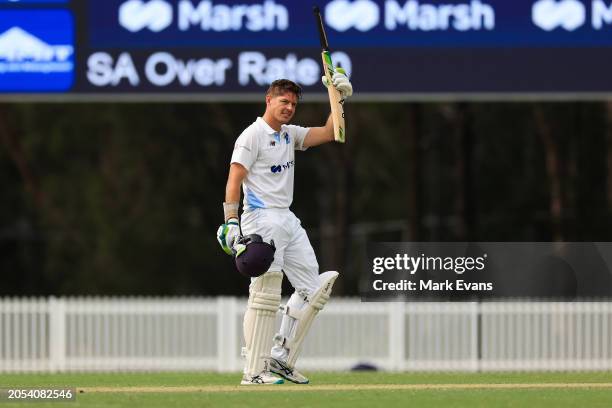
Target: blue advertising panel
{"type": "Point", "coordinates": [392, 49]}
{"type": "Point", "coordinates": [32, 1]}
{"type": "Point", "coordinates": [351, 23]}
{"type": "Point", "coordinates": [36, 50]}
{"type": "Point", "coordinates": [424, 72]}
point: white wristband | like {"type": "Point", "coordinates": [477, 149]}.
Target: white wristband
{"type": "Point", "coordinates": [230, 210]}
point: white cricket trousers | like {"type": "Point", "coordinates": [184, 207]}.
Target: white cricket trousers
{"type": "Point", "coordinates": [294, 254]}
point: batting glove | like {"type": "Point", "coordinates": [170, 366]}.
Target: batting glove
{"type": "Point", "coordinates": [228, 234]}
{"type": "Point", "coordinates": [239, 246]}
{"type": "Point", "coordinates": [341, 82]}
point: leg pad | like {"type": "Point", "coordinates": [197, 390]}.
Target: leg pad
{"type": "Point", "coordinates": [304, 317]}
{"type": "Point", "coordinates": [259, 320]}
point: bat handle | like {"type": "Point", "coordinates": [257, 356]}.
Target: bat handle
{"type": "Point", "coordinates": [322, 36]}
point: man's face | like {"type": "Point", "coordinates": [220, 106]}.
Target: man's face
{"type": "Point", "coordinates": [282, 107]}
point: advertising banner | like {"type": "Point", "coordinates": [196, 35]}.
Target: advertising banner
{"type": "Point", "coordinates": [231, 50]}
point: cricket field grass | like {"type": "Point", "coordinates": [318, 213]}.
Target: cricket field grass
{"type": "Point", "coordinates": [344, 389]}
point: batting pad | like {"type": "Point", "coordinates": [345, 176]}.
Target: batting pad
{"type": "Point", "coordinates": [306, 315]}
{"type": "Point", "coordinates": [259, 320]}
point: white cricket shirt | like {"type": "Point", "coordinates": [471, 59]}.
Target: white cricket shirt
{"type": "Point", "coordinates": [269, 157]}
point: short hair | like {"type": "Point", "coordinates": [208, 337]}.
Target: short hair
{"type": "Point", "coordinates": [281, 86]}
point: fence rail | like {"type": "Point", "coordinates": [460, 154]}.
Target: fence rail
{"type": "Point", "coordinates": [101, 334]}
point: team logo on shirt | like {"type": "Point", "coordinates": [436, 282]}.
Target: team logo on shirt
{"type": "Point", "coordinates": [279, 168]}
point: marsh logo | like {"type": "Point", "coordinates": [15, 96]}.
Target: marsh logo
{"type": "Point", "coordinates": [362, 15]}
{"type": "Point", "coordinates": [136, 15]}
{"type": "Point", "coordinates": [158, 15]}
{"type": "Point", "coordinates": [279, 168]}
{"type": "Point", "coordinates": [365, 15]}
{"type": "Point", "coordinates": [32, 56]}
{"type": "Point", "coordinates": [601, 14]}
{"type": "Point", "coordinates": [551, 14]}
{"type": "Point", "coordinates": [570, 15]}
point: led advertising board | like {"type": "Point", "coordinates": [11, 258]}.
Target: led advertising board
{"type": "Point", "coordinates": [231, 50]}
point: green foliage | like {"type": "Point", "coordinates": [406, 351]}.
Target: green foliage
{"type": "Point", "coordinates": [126, 198]}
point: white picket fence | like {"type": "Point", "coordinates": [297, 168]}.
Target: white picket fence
{"type": "Point", "coordinates": [93, 334]}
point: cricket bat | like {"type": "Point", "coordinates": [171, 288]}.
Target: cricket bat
{"type": "Point", "coordinates": [335, 98]}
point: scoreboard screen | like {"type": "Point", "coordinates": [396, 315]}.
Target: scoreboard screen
{"type": "Point", "coordinates": [230, 50]}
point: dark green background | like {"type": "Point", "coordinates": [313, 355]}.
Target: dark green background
{"type": "Point", "coordinates": [117, 199]}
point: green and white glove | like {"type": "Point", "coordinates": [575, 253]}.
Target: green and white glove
{"type": "Point", "coordinates": [239, 246]}
{"type": "Point", "coordinates": [341, 82]}
{"type": "Point", "coordinates": [228, 234]}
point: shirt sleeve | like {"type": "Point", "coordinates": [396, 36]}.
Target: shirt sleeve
{"type": "Point", "coordinates": [245, 149]}
{"type": "Point", "coordinates": [299, 134]}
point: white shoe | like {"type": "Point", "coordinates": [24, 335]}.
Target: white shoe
{"type": "Point", "coordinates": [290, 374]}
{"type": "Point", "coordinates": [264, 378]}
